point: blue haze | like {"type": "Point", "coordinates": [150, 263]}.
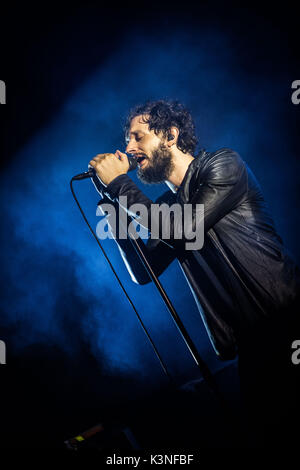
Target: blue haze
{"type": "Point", "coordinates": [58, 288]}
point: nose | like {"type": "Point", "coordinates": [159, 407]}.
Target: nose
{"type": "Point", "coordinates": [131, 147]}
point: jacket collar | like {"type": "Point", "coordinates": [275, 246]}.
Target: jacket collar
{"type": "Point", "coordinates": [185, 190]}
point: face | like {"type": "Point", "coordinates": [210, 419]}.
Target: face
{"type": "Point", "coordinates": [154, 157]}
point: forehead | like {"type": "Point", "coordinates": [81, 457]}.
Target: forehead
{"type": "Point", "coordinates": [138, 124]}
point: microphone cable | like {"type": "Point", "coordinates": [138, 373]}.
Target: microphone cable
{"type": "Point", "coordinates": [121, 285]}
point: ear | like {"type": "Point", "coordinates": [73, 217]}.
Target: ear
{"type": "Point", "coordinates": [172, 136]}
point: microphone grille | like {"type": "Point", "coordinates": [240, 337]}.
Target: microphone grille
{"type": "Point", "coordinates": [132, 163]}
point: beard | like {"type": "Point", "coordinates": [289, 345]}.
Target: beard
{"type": "Point", "coordinates": [159, 168]}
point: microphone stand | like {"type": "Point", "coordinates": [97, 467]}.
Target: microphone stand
{"type": "Point", "coordinates": [205, 371]}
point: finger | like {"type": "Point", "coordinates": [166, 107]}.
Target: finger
{"type": "Point", "coordinates": [122, 155]}
{"type": "Point", "coordinates": [100, 156]}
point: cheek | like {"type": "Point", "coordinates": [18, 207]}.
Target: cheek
{"type": "Point", "coordinates": [151, 143]}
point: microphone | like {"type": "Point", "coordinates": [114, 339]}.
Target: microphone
{"type": "Point", "coordinates": [91, 172]}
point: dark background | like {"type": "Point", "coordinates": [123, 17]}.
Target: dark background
{"type": "Point", "coordinates": [65, 370]}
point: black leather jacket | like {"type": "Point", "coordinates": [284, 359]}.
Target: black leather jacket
{"type": "Point", "coordinates": [243, 272]}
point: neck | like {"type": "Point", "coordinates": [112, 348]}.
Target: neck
{"type": "Point", "coordinates": [181, 162]}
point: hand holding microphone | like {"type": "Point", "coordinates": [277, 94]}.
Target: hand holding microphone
{"type": "Point", "coordinates": [113, 169]}
{"type": "Point", "coordinates": [108, 166]}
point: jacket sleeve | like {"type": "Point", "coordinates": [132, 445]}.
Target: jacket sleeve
{"type": "Point", "coordinates": [158, 254]}
{"type": "Point", "coordinates": [213, 191]}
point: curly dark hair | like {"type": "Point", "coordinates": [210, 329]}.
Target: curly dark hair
{"type": "Point", "coordinates": [161, 116]}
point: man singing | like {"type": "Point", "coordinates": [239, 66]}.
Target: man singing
{"type": "Point", "coordinates": [244, 281]}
